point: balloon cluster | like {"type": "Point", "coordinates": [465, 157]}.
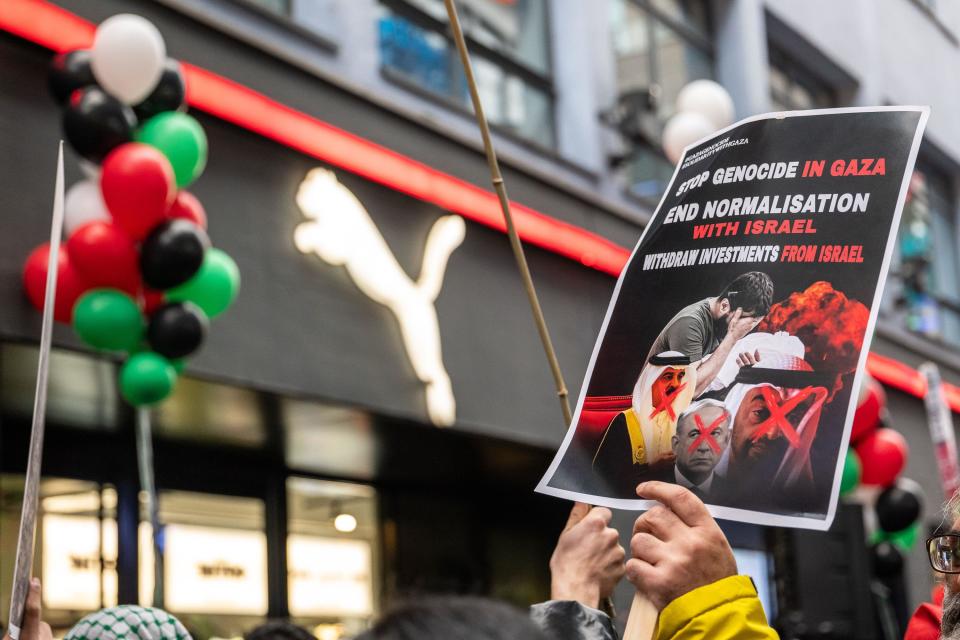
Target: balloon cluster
{"type": "Point", "coordinates": [703, 106]}
{"type": "Point", "coordinates": [137, 273]}
{"type": "Point", "coordinates": [876, 458]}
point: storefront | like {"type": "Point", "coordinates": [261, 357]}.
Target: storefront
{"type": "Point", "coordinates": [303, 465]}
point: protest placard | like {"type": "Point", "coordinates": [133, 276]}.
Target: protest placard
{"type": "Point", "coordinates": [740, 327]}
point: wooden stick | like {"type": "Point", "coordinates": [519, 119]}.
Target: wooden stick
{"type": "Point", "coordinates": [642, 621]}
{"type": "Point", "coordinates": [642, 608]}
{"type": "Point", "coordinates": [31, 490]}
{"type": "Point", "coordinates": [501, 189]}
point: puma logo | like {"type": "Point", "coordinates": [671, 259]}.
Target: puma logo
{"type": "Point", "coordinates": [341, 233]}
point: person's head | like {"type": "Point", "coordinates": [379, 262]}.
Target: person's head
{"type": "Point", "coordinates": [464, 618]}
{"type": "Point", "coordinates": [128, 622]}
{"type": "Point", "coordinates": [752, 292]}
{"type": "Point", "coordinates": [666, 384]}
{"type": "Point", "coordinates": [944, 552]}
{"type": "Point", "coordinates": [703, 434]}
{"type": "Point", "coordinates": [278, 630]}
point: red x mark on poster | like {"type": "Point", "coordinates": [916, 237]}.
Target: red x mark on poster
{"type": "Point", "coordinates": [778, 413]}
{"type": "Point", "coordinates": [667, 404]}
{"type": "Point", "coordinates": [705, 433]}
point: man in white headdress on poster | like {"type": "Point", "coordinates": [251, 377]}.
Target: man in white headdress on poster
{"type": "Point", "coordinates": [637, 443]}
{"type": "Point", "coordinates": [775, 408]}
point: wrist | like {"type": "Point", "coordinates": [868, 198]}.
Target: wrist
{"type": "Point", "coordinates": [586, 593]}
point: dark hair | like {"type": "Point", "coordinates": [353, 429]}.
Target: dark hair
{"type": "Point", "coordinates": [446, 618]}
{"type": "Point", "coordinates": [278, 630]}
{"type": "Point", "coordinates": [752, 292]}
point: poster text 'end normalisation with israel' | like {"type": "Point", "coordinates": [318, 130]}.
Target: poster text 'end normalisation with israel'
{"type": "Point", "coordinates": [732, 347]}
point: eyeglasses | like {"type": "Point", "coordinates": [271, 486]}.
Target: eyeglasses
{"type": "Point", "coordinates": [944, 552]}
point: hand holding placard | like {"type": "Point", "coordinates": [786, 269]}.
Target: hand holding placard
{"type": "Point", "coordinates": [587, 562]}
{"type": "Point", "coordinates": [677, 546]}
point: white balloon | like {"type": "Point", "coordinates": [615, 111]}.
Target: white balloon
{"type": "Point", "coordinates": [684, 129]}
{"type": "Point", "coordinates": [127, 57]}
{"type": "Point", "coordinates": [709, 99]}
{"type": "Point", "coordinates": [82, 204]}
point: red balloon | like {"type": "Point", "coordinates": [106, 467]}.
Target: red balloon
{"type": "Point", "coordinates": [138, 187]}
{"type": "Point", "coordinates": [187, 206]}
{"type": "Point", "coordinates": [105, 256]}
{"type": "Point", "coordinates": [870, 408]}
{"type": "Point", "coordinates": [152, 300]}
{"type": "Point", "coordinates": [70, 284]}
{"type": "Point", "coordinates": [883, 455]}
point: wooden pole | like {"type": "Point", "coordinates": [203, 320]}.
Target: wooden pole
{"type": "Point", "coordinates": [643, 615]}
{"type": "Point", "coordinates": [501, 189]}
{"type": "Point", "coordinates": [23, 566]}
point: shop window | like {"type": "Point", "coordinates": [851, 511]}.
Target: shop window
{"type": "Point", "coordinates": [76, 547]}
{"type": "Point", "coordinates": [82, 389]}
{"type": "Point", "coordinates": [923, 294]}
{"type": "Point", "coordinates": [793, 87]}
{"type": "Point", "coordinates": [331, 556]}
{"type": "Point", "coordinates": [214, 561]}
{"type": "Point", "coordinates": [207, 412]}
{"type": "Point", "coordinates": [508, 43]}
{"type": "Point", "coordinates": [660, 46]}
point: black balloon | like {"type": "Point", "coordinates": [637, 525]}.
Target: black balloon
{"type": "Point", "coordinates": [68, 72]}
{"type": "Point", "coordinates": [95, 123]}
{"type": "Point", "coordinates": [172, 253]}
{"type": "Point", "coordinates": [177, 329]}
{"type": "Point", "coordinates": [887, 560]}
{"type": "Point", "coordinates": [167, 96]}
{"type": "Point", "coordinates": [898, 507]}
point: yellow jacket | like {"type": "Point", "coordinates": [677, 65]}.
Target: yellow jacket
{"type": "Point", "coordinates": [728, 608]}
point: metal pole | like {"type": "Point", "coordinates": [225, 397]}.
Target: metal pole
{"type": "Point", "coordinates": [148, 486]}
{"type": "Point", "coordinates": [31, 490]}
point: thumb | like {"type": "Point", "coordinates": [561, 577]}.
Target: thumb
{"type": "Point", "coordinates": [31, 612]}
{"type": "Point", "coordinates": [578, 513]}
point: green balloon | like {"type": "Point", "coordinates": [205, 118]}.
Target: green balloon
{"type": "Point", "coordinates": [146, 378]}
{"type": "Point", "coordinates": [214, 287]}
{"type": "Point", "coordinates": [906, 538]}
{"type": "Point", "coordinates": [179, 137]}
{"type": "Point", "coordinates": [108, 319]}
{"type": "Point", "coordinates": [851, 472]}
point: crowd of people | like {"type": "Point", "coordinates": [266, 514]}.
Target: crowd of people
{"type": "Point", "coordinates": [678, 558]}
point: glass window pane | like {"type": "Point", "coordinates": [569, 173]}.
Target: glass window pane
{"type": "Point", "coordinates": [648, 172]}
{"type": "Point", "coordinates": [515, 28]}
{"type": "Point", "coordinates": [331, 555]}
{"type": "Point", "coordinates": [76, 548]}
{"type": "Point", "coordinates": [279, 7]}
{"type": "Point", "coordinates": [631, 43]}
{"type": "Point", "coordinates": [427, 60]}
{"type": "Point", "coordinates": [691, 13]}
{"type": "Point", "coordinates": [678, 63]}
{"type": "Point", "coordinates": [926, 262]}
{"type": "Point", "coordinates": [215, 561]}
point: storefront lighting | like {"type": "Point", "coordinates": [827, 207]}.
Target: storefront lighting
{"type": "Point", "coordinates": [345, 523]}
{"type": "Point", "coordinates": [340, 231]}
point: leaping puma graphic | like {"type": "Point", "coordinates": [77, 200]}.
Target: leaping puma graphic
{"type": "Point", "coordinates": [341, 233]}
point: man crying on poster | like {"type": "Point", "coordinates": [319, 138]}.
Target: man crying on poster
{"type": "Point", "coordinates": [702, 437]}
{"type": "Point", "coordinates": [706, 331]}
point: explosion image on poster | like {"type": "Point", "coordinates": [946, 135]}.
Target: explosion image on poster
{"type": "Point", "coordinates": [735, 336]}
